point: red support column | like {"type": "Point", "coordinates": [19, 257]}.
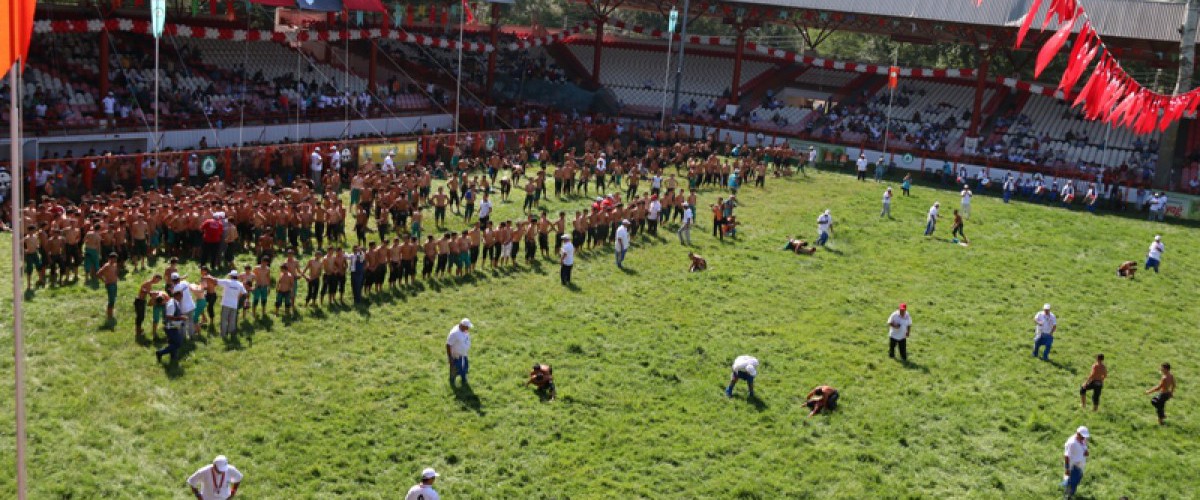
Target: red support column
{"type": "Point", "coordinates": [596, 51]}
{"type": "Point", "coordinates": [977, 110]}
{"type": "Point", "coordinates": [103, 64]}
{"type": "Point", "coordinates": [371, 68]}
{"type": "Point", "coordinates": [739, 52]}
{"type": "Point", "coordinates": [491, 71]}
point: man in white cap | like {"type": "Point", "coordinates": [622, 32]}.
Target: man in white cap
{"type": "Point", "coordinates": [1075, 454]}
{"type": "Point", "coordinates": [187, 303]}
{"type": "Point", "coordinates": [215, 481]}
{"type": "Point", "coordinates": [931, 220]}
{"type": "Point", "coordinates": [1047, 324]}
{"type": "Point", "coordinates": [966, 201]}
{"type": "Point", "coordinates": [1154, 258]}
{"type": "Point", "coordinates": [685, 229]}
{"type": "Point", "coordinates": [621, 242]}
{"type": "Point", "coordinates": [424, 489]}
{"type": "Point", "coordinates": [566, 260]}
{"type": "Point", "coordinates": [861, 163]}
{"type": "Point", "coordinates": [232, 292]}
{"type": "Point", "coordinates": [457, 345]}
{"type": "Point", "coordinates": [887, 204]}
{"type": "Point", "coordinates": [745, 368]}
{"type": "Point", "coordinates": [824, 227]}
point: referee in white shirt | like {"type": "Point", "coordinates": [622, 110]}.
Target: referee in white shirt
{"type": "Point", "coordinates": [215, 481]}
{"type": "Point", "coordinates": [457, 345]}
{"type": "Point", "coordinates": [424, 490]}
{"type": "Point", "coordinates": [1075, 454]}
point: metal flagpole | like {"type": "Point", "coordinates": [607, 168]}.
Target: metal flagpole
{"type": "Point", "coordinates": [667, 71]}
{"type": "Point", "coordinates": [156, 101]}
{"type": "Point", "coordinates": [462, 21]}
{"type": "Point", "coordinates": [682, 44]}
{"type": "Point", "coordinates": [14, 124]}
{"type": "Point", "coordinates": [887, 128]}
{"type": "Point", "coordinates": [299, 95]}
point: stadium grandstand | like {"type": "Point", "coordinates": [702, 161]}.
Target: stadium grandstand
{"type": "Point", "coordinates": [91, 79]}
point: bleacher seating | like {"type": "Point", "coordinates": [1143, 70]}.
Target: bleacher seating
{"type": "Point", "coordinates": [636, 76]}
{"type": "Point", "coordinates": [1048, 131]}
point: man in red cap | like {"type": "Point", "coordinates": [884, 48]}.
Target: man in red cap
{"type": "Point", "coordinates": [899, 326]}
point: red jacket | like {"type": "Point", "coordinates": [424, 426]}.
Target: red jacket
{"type": "Point", "coordinates": [212, 230]}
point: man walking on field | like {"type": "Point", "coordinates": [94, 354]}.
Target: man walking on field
{"type": "Point", "coordinates": [931, 220]}
{"type": "Point", "coordinates": [899, 326]}
{"type": "Point", "coordinates": [1166, 389]}
{"type": "Point", "coordinates": [457, 345]}
{"type": "Point", "coordinates": [1075, 454]}
{"type": "Point", "coordinates": [1094, 383]}
{"type": "Point", "coordinates": [887, 204]}
{"type": "Point", "coordinates": [1047, 324]}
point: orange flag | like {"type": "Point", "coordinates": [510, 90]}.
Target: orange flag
{"type": "Point", "coordinates": [893, 77]}
{"type": "Point", "coordinates": [18, 28]}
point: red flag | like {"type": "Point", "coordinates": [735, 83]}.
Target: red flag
{"type": "Point", "coordinates": [1033, 10]}
{"type": "Point", "coordinates": [1093, 81]}
{"type": "Point", "coordinates": [1078, 61]}
{"type": "Point", "coordinates": [893, 77]}
{"type": "Point", "coordinates": [19, 28]}
{"type": "Point", "coordinates": [467, 11]}
{"type": "Point", "coordinates": [212, 7]}
{"type": "Point", "coordinates": [1052, 46]}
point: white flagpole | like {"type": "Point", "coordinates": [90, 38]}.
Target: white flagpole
{"type": "Point", "coordinates": [666, 81]}
{"type": "Point", "coordinates": [462, 22]}
{"type": "Point", "coordinates": [14, 124]}
{"type": "Point", "coordinates": [887, 128]}
{"type": "Point", "coordinates": [156, 78]}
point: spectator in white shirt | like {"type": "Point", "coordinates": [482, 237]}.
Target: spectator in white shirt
{"type": "Point", "coordinates": [1075, 454]}
{"type": "Point", "coordinates": [215, 481]}
{"type": "Point", "coordinates": [424, 490]}
{"type": "Point", "coordinates": [1047, 324]}
{"type": "Point", "coordinates": [232, 292]}
{"type": "Point", "coordinates": [621, 243]}
{"type": "Point", "coordinates": [457, 345]}
{"type": "Point", "coordinates": [566, 259]}
{"type": "Point", "coordinates": [861, 163]}
{"type": "Point", "coordinates": [315, 167]}
{"type": "Point", "coordinates": [931, 220]}
{"type": "Point", "coordinates": [1154, 258]}
{"type": "Point", "coordinates": [899, 326]}
{"type": "Point", "coordinates": [887, 204]}
{"type": "Point", "coordinates": [652, 215]}
{"type": "Point", "coordinates": [745, 368]}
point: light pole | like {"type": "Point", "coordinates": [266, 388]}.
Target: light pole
{"type": "Point", "coordinates": [682, 44]}
{"type": "Point", "coordinates": [667, 72]}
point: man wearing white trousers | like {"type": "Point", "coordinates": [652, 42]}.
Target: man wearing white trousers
{"type": "Point", "coordinates": [232, 292]}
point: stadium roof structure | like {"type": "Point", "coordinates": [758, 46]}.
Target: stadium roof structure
{"type": "Point", "coordinates": [1133, 29]}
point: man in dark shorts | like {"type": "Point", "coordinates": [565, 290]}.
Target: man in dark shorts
{"type": "Point", "coordinates": [823, 398]}
{"type": "Point", "coordinates": [1127, 269]}
{"type": "Point", "coordinates": [957, 229]}
{"type": "Point", "coordinates": [542, 377]}
{"type": "Point", "coordinates": [1166, 390]}
{"type": "Point", "coordinates": [1094, 383]}
{"type": "Point", "coordinates": [799, 246]}
{"type": "Point", "coordinates": [108, 274]}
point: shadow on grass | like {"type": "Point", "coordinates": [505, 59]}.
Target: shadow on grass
{"type": "Point", "coordinates": [573, 287]}
{"type": "Point", "coordinates": [758, 404]}
{"type": "Point", "coordinates": [467, 399]}
{"type": "Point", "coordinates": [910, 365]}
{"type": "Point", "coordinates": [109, 324]}
{"type": "Point", "coordinates": [628, 271]}
{"type": "Point", "coordinates": [834, 251]}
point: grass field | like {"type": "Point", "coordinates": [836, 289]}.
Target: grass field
{"type": "Point", "coordinates": [352, 403]}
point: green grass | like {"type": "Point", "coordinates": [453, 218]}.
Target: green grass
{"type": "Point", "coordinates": [353, 403]}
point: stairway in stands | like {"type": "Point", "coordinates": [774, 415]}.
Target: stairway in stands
{"type": "Point", "coordinates": [575, 69]}
{"type": "Point", "coordinates": [755, 91]}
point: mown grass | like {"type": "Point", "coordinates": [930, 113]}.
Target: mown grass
{"type": "Point", "coordinates": [354, 402]}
